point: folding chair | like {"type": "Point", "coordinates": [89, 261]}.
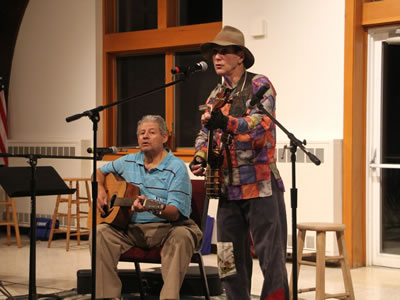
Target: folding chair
{"type": "Point", "coordinates": [153, 255]}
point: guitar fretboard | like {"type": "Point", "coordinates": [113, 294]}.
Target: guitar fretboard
{"type": "Point", "coordinates": [124, 202]}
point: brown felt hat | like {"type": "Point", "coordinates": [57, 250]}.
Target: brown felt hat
{"type": "Point", "coordinates": [228, 36]}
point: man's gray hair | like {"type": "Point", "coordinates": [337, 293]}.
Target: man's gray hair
{"type": "Point", "coordinates": [154, 118]}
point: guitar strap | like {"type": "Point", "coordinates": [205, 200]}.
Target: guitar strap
{"type": "Point", "coordinates": [238, 109]}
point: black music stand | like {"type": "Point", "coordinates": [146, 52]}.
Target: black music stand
{"type": "Point", "coordinates": [32, 181]}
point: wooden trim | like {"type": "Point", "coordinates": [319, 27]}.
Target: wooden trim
{"type": "Point", "coordinates": [354, 133]}
{"type": "Point", "coordinates": [109, 15]}
{"type": "Point", "coordinates": [160, 39]}
{"type": "Point", "coordinates": [381, 12]}
{"type": "Point", "coordinates": [186, 154]}
{"type": "Point", "coordinates": [169, 99]}
{"type": "Point", "coordinates": [172, 13]}
{"type": "Point", "coordinates": [167, 13]}
{"type": "Point", "coordinates": [109, 26]}
{"type": "Point", "coordinates": [162, 14]}
{"type": "Point", "coordinates": [364, 152]}
{"type": "Point", "coordinates": [109, 95]}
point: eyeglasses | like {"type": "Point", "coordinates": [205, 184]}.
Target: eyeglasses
{"type": "Point", "coordinates": [225, 50]}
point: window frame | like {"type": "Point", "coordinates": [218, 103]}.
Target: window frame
{"type": "Point", "coordinates": [167, 38]}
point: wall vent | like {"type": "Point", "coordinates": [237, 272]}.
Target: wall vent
{"type": "Point", "coordinates": [284, 154]}
{"type": "Point", "coordinates": [43, 150]}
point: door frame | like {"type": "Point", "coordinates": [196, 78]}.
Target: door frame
{"type": "Point", "coordinates": [373, 164]}
{"type": "Point", "coordinates": [359, 16]}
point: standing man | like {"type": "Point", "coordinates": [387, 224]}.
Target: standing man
{"type": "Point", "coordinates": [251, 188]}
{"type": "Point", "coordinates": [158, 174]}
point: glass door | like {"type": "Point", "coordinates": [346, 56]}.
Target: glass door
{"type": "Point", "coordinates": [383, 149]}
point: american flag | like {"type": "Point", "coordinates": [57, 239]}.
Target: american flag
{"type": "Point", "coordinates": [3, 127]}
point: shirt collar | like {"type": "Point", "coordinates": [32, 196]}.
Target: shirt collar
{"type": "Point", "coordinates": [161, 165]}
{"type": "Point", "coordinates": [228, 83]}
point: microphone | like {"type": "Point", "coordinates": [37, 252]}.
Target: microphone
{"type": "Point", "coordinates": [259, 95]}
{"type": "Point", "coordinates": [109, 150]}
{"type": "Point", "coordinates": [198, 67]}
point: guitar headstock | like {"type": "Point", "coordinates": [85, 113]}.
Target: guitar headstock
{"type": "Point", "coordinates": [221, 99]}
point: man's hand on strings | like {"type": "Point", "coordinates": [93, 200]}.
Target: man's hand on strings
{"type": "Point", "coordinates": [197, 166]}
{"type": "Point", "coordinates": [216, 120]}
{"type": "Point", "coordinates": [102, 200]}
{"type": "Point", "coordinates": [205, 117]}
{"type": "Point", "coordinates": [138, 204]}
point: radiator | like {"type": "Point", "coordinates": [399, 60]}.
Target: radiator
{"type": "Point", "coordinates": [319, 188]}
{"type": "Point", "coordinates": [65, 167]}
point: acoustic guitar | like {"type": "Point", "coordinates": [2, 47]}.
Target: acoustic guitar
{"type": "Point", "coordinates": [121, 196]}
{"type": "Point", "coordinates": [213, 184]}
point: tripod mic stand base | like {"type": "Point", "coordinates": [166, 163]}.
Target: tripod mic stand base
{"type": "Point", "coordinates": [38, 296]}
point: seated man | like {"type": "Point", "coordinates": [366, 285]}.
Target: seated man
{"type": "Point", "coordinates": [158, 174]}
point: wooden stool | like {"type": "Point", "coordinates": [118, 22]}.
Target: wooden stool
{"type": "Point", "coordinates": [321, 258]}
{"type": "Point", "coordinates": [9, 202]}
{"type": "Point", "coordinates": [78, 215]}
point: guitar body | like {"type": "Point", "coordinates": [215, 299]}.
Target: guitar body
{"type": "Point", "coordinates": [118, 213]}
{"type": "Point", "coordinates": [120, 196]}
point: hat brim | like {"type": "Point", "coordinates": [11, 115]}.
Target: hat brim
{"type": "Point", "coordinates": [206, 51]}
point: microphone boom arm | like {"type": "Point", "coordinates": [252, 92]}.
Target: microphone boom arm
{"type": "Point", "coordinates": [293, 140]}
{"type": "Point", "coordinates": [96, 110]}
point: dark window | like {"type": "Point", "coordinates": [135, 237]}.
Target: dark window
{"type": "Point", "coordinates": [136, 75]}
{"type": "Point", "coordinates": [390, 104]}
{"type": "Point", "coordinates": [189, 95]}
{"type": "Point", "coordinates": [199, 12]}
{"type": "Point", "coordinates": [390, 214]}
{"type": "Point", "coordinates": [134, 15]}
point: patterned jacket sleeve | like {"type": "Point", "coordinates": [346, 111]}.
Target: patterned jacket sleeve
{"type": "Point", "coordinates": [255, 124]}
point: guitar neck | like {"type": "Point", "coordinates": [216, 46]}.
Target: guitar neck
{"type": "Point", "coordinates": [209, 146]}
{"type": "Point", "coordinates": [148, 203]}
{"type": "Point", "coordinates": [124, 202]}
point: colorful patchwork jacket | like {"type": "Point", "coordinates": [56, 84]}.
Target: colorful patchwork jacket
{"type": "Point", "coordinates": [249, 159]}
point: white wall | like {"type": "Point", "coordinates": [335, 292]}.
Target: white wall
{"type": "Point", "coordinates": [302, 53]}
{"type": "Point", "coordinates": [54, 70]}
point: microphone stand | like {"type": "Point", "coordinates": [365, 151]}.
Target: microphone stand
{"type": "Point", "coordinates": [93, 115]}
{"type": "Point", "coordinates": [32, 246]}
{"type": "Point", "coordinates": [294, 144]}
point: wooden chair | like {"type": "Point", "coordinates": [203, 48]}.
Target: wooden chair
{"type": "Point", "coordinates": [153, 255]}
{"type": "Point", "coordinates": [76, 199]}
{"type": "Point", "coordinates": [321, 258]}
{"type": "Point", "coordinates": [9, 203]}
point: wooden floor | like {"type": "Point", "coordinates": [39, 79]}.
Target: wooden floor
{"type": "Point", "coordinates": [56, 270]}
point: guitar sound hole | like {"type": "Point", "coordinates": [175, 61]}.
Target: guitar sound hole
{"type": "Point", "coordinates": [112, 201]}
